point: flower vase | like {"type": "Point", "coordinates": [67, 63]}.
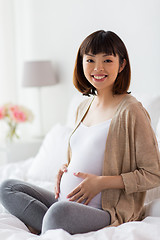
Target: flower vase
{"type": "Point", "coordinates": [12, 132]}
{"type": "Point", "coordinates": [13, 115]}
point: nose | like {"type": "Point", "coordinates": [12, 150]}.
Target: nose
{"type": "Point", "coordinates": [99, 66]}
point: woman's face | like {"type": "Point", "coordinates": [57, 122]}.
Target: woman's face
{"type": "Point", "coordinates": [101, 70]}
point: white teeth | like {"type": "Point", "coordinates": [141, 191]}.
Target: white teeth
{"type": "Point", "coordinates": [99, 77]}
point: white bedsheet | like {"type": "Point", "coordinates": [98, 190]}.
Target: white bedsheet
{"type": "Point", "coordinates": [12, 228]}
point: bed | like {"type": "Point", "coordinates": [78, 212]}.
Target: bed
{"type": "Point", "coordinates": [42, 168]}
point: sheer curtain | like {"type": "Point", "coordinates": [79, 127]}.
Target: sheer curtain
{"type": "Point", "coordinates": [7, 53]}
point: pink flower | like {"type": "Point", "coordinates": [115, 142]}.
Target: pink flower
{"type": "Point", "coordinates": [17, 114]}
{"type": "Point", "coordinates": [2, 114]}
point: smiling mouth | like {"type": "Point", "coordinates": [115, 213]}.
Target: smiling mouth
{"type": "Point", "coordinates": [99, 78]}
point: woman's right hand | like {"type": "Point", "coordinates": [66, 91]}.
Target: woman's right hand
{"type": "Point", "coordinates": [58, 180]}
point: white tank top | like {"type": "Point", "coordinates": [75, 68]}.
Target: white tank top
{"type": "Point", "coordinates": [87, 147]}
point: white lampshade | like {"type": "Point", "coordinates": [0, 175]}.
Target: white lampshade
{"type": "Point", "coordinates": [38, 74]}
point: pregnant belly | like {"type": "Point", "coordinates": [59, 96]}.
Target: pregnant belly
{"type": "Point", "coordinates": [69, 182]}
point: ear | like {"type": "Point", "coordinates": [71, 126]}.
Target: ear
{"type": "Point", "coordinates": [122, 66]}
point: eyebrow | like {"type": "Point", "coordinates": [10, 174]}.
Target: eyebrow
{"type": "Point", "coordinates": [92, 55]}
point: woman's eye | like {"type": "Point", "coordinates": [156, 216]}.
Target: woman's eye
{"type": "Point", "coordinates": [89, 60]}
{"type": "Point", "coordinates": [108, 60]}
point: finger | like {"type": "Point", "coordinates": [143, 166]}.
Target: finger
{"type": "Point", "coordinates": [58, 180]}
{"type": "Point", "coordinates": [82, 199]}
{"type": "Point", "coordinates": [56, 190]}
{"type": "Point", "coordinates": [64, 168]}
{"type": "Point", "coordinates": [56, 196]}
{"type": "Point", "coordinates": [87, 201]}
{"type": "Point", "coordinates": [76, 196]}
{"type": "Point", "coordinates": [58, 184]}
{"type": "Point", "coordinates": [60, 172]}
{"type": "Point", "coordinates": [80, 174]}
{"type": "Point", "coordinates": [56, 193]}
{"type": "Point", "coordinates": [59, 175]}
{"type": "Point", "coordinates": [76, 190]}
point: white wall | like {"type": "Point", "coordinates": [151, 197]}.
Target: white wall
{"type": "Point", "coordinates": [7, 53]}
{"type": "Point", "coordinates": [54, 29]}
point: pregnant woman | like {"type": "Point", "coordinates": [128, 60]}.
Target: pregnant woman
{"type": "Point", "coordinates": [113, 156]}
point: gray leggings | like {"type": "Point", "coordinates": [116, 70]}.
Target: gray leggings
{"type": "Point", "coordinates": [37, 208]}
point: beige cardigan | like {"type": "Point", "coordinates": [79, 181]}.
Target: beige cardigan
{"type": "Point", "coordinates": [132, 152]}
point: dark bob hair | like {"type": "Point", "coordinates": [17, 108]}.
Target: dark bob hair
{"type": "Point", "coordinates": [102, 42]}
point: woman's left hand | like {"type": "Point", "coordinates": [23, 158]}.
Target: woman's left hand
{"type": "Point", "coordinates": [87, 189]}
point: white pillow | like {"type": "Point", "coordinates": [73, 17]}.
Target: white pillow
{"type": "Point", "coordinates": [153, 209]}
{"type": "Point", "coordinates": [155, 192]}
{"type": "Point", "coordinates": [51, 155]}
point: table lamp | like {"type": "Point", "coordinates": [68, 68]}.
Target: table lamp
{"type": "Point", "coordinates": [38, 74]}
